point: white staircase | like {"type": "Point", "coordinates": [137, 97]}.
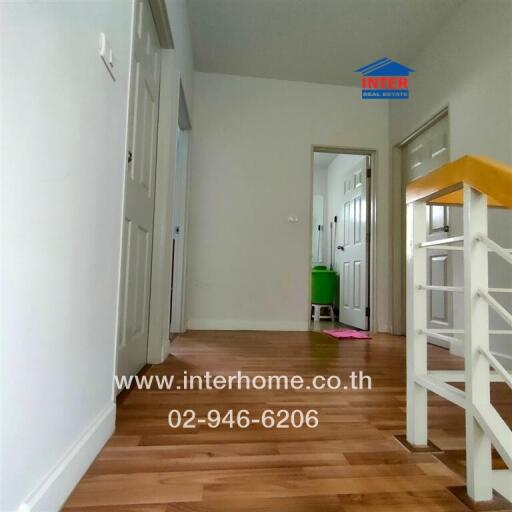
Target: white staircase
{"type": "Point", "coordinates": [484, 425]}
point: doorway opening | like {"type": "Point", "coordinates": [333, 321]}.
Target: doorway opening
{"type": "Point", "coordinates": [179, 221]}
{"type": "Point", "coordinates": [341, 239]}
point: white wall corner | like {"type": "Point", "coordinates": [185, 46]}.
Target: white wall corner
{"type": "Point", "coordinates": [58, 484]}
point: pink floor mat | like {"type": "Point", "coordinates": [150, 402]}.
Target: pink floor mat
{"type": "Point", "coordinates": [347, 334]}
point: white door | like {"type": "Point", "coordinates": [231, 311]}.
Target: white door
{"type": "Point", "coordinates": [422, 155]}
{"type": "Point", "coordinates": [352, 249]}
{"type": "Point", "coordinates": [179, 210]}
{"type": "Point", "coordinates": [139, 199]}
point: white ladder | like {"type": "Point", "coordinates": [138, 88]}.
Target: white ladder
{"type": "Point", "coordinates": [484, 426]}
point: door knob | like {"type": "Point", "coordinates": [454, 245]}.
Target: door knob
{"type": "Point", "coordinates": [340, 247]}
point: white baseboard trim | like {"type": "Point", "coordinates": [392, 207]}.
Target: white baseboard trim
{"type": "Point", "coordinates": [245, 325]}
{"type": "Point", "coordinates": [60, 481]}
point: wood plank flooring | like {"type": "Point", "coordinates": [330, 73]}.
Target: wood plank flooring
{"type": "Point", "coordinates": [350, 463]}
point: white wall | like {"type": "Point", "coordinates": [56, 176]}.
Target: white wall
{"type": "Point", "coordinates": [467, 67]}
{"type": "Point", "coordinates": [319, 179]}
{"type": "Point", "coordinates": [63, 155]}
{"type": "Point", "coordinates": [251, 170]}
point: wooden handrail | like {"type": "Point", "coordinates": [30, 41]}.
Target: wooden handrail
{"type": "Point", "coordinates": [444, 185]}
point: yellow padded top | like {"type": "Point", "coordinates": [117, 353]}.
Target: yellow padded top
{"type": "Point", "coordinates": [444, 185]}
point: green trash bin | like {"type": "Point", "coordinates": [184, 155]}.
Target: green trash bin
{"type": "Point", "coordinates": [324, 285]}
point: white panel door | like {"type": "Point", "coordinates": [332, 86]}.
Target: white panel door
{"type": "Point", "coordinates": [139, 202]}
{"type": "Point", "coordinates": [179, 234]}
{"type": "Point", "coordinates": [352, 251]}
{"type": "Point", "coordinates": [422, 155]}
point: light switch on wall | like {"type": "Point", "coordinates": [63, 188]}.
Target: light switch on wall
{"type": "Point", "coordinates": [107, 54]}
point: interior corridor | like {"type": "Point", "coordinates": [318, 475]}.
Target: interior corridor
{"type": "Point", "coordinates": [351, 462]}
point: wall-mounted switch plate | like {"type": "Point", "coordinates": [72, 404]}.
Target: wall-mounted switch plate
{"type": "Point", "coordinates": [106, 54]}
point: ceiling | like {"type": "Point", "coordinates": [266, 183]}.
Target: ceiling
{"type": "Point", "coordinates": [321, 41]}
{"type": "Point", "coordinates": [322, 160]}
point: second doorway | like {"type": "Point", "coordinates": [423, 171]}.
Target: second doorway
{"type": "Point", "coordinates": [340, 265]}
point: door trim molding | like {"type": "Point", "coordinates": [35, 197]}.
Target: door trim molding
{"type": "Point", "coordinates": [424, 127]}
{"type": "Point", "coordinates": [373, 252]}
{"type": "Point", "coordinates": [159, 310]}
{"type": "Point", "coordinates": [162, 25]}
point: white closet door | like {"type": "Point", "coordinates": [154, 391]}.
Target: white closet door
{"type": "Point", "coordinates": [422, 155]}
{"type": "Point", "coordinates": [139, 193]}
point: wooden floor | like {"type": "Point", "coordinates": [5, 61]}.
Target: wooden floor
{"type": "Point", "coordinates": [350, 463]}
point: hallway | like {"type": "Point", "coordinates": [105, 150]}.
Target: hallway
{"type": "Point", "coordinates": [351, 462]}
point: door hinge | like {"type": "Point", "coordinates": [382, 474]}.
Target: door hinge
{"type": "Point", "coordinates": [367, 312]}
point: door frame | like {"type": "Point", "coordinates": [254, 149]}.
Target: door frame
{"type": "Point", "coordinates": [371, 224]}
{"type": "Point", "coordinates": [167, 105]}
{"type": "Point", "coordinates": [178, 264]}
{"type": "Point", "coordinates": [398, 224]}
{"type": "Point", "coordinates": [174, 115]}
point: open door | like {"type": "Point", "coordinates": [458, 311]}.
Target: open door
{"type": "Point", "coordinates": [178, 235]}
{"type": "Point", "coordinates": [139, 202]}
{"type": "Point", "coordinates": [352, 248]}
{"type": "Point", "coordinates": [179, 220]}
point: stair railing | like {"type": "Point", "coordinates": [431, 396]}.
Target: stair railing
{"type": "Point", "coordinates": [476, 183]}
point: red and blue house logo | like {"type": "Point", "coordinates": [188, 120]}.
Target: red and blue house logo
{"type": "Point", "coordinates": [385, 79]}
